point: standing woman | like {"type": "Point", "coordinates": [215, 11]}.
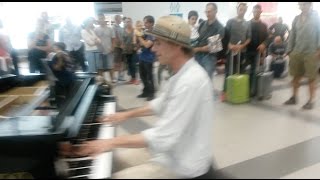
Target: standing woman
{"type": "Point", "coordinates": [91, 42]}
{"type": "Point", "coordinates": [129, 49]}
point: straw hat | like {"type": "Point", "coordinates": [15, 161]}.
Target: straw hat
{"type": "Point", "coordinates": [173, 29]}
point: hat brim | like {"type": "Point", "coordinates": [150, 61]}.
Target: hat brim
{"type": "Point", "coordinates": [167, 39]}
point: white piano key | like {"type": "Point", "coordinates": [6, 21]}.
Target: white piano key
{"type": "Point", "coordinates": [109, 108]}
{"type": "Point", "coordinates": [77, 177]}
{"type": "Point", "coordinates": [102, 164]}
{"type": "Point", "coordinates": [101, 167]}
{"type": "Point", "coordinates": [77, 159]}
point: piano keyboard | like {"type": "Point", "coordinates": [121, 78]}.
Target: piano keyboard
{"type": "Point", "coordinates": [101, 166]}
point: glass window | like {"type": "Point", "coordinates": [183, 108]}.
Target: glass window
{"type": "Point", "coordinates": [19, 18]}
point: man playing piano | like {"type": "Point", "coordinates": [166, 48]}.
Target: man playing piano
{"type": "Point", "coordinates": [180, 142]}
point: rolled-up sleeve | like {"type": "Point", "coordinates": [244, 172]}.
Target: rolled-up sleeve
{"type": "Point", "coordinates": [156, 104]}
{"type": "Point", "coordinates": [174, 119]}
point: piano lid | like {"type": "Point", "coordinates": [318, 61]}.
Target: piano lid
{"type": "Point", "coordinates": [71, 104]}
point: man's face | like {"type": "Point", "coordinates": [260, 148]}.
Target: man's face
{"type": "Point", "coordinates": [147, 24]}
{"type": "Point", "coordinates": [193, 20]}
{"type": "Point", "coordinates": [210, 12]}
{"type": "Point", "coordinates": [277, 40]}
{"type": "Point", "coordinates": [68, 21]}
{"type": "Point", "coordinates": [256, 13]}
{"type": "Point", "coordinates": [118, 19]}
{"type": "Point", "coordinates": [102, 20]}
{"type": "Point", "coordinates": [164, 51]}
{"type": "Point", "coordinates": [305, 6]}
{"type": "Point", "coordinates": [242, 9]}
{"type": "Point", "coordinates": [44, 16]}
{"type": "Point", "coordinates": [128, 22]}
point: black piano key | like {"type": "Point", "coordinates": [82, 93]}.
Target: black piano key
{"type": "Point", "coordinates": [82, 177]}
{"type": "Point", "coordinates": [79, 172]}
{"type": "Point", "coordinates": [94, 130]}
{"type": "Point", "coordinates": [80, 164]}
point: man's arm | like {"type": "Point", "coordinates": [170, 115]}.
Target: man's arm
{"type": "Point", "coordinates": [228, 35]}
{"type": "Point", "coordinates": [61, 35]}
{"type": "Point", "coordinates": [113, 40]}
{"type": "Point", "coordinates": [153, 107]}
{"type": "Point", "coordinates": [201, 49]}
{"type": "Point", "coordinates": [122, 116]}
{"type": "Point", "coordinates": [93, 148]}
{"type": "Point", "coordinates": [87, 39]}
{"type": "Point", "coordinates": [248, 36]}
{"type": "Point", "coordinates": [146, 43]}
{"type": "Point", "coordinates": [261, 48]}
{"type": "Point", "coordinates": [129, 141]}
{"type": "Point", "coordinates": [292, 37]}
{"type": "Point", "coordinates": [206, 48]}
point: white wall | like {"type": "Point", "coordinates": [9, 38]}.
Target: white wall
{"type": "Point", "coordinates": [289, 15]}
{"type": "Point", "coordinates": [137, 10]}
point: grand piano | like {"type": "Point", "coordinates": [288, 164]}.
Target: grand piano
{"type": "Point", "coordinates": [29, 140]}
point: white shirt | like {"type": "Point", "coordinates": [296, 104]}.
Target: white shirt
{"type": "Point", "coordinates": [106, 34]}
{"type": "Point", "coordinates": [118, 30]}
{"type": "Point", "coordinates": [181, 139]}
{"type": "Point", "coordinates": [89, 40]}
{"type": "Point", "coordinates": [71, 36]}
{"type": "Point", "coordinates": [194, 32]}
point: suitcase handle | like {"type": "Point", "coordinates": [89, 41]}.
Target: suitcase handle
{"type": "Point", "coordinates": [231, 61]}
{"type": "Point", "coordinates": [258, 63]}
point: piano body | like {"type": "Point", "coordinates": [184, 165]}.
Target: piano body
{"type": "Point", "coordinates": [29, 142]}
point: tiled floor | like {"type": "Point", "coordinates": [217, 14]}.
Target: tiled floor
{"type": "Point", "coordinates": [260, 139]}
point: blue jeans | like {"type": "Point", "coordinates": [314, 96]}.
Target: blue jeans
{"type": "Point", "coordinates": [131, 61]}
{"type": "Point", "coordinates": [207, 61]}
{"type": "Point", "coordinates": [92, 57]}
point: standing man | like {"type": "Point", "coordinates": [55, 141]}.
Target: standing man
{"type": "Point", "coordinates": [107, 37]}
{"type": "Point", "coordinates": [70, 35]}
{"type": "Point", "coordinates": [238, 32]}
{"type": "Point", "coordinates": [304, 52]}
{"type": "Point", "coordinates": [180, 143]}
{"type": "Point", "coordinates": [49, 29]}
{"type": "Point", "coordinates": [118, 56]}
{"type": "Point", "coordinates": [91, 42]}
{"type": "Point", "coordinates": [256, 47]}
{"type": "Point", "coordinates": [146, 59]}
{"type": "Point", "coordinates": [208, 28]}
